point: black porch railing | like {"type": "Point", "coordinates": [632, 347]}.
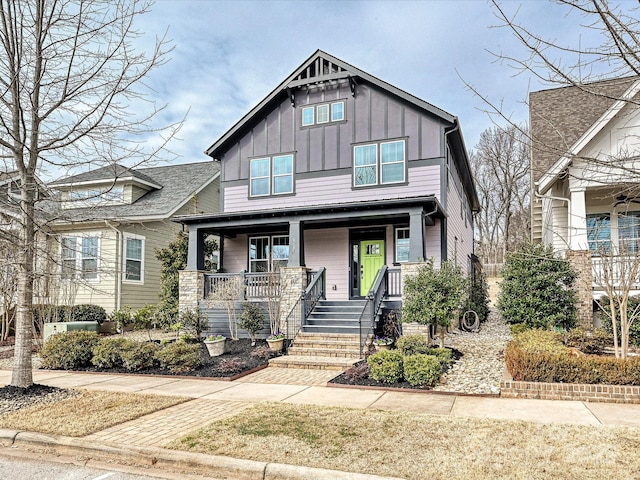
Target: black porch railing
{"type": "Point", "coordinates": [377, 293]}
{"type": "Point", "coordinates": [316, 289]}
{"type": "Point", "coordinates": [253, 286]}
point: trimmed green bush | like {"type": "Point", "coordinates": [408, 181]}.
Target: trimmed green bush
{"type": "Point", "coordinates": [442, 354]}
{"type": "Point", "coordinates": [386, 366]}
{"type": "Point", "coordinates": [634, 330]}
{"type": "Point", "coordinates": [540, 341]}
{"type": "Point", "coordinates": [180, 357]}
{"type": "Point", "coordinates": [422, 370]}
{"type": "Point", "coordinates": [143, 318]}
{"type": "Point", "coordinates": [49, 313]}
{"type": "Point", "coordinates": [86, 313]}
{"type": "Point", "coordinates": [108, 352]}
{"type": "Point", "coordinates": [68, 350]}
{"type": "Point", "coordinates": [412, 344]}
{"type": "Point", "coordinates": [139, 356]}
{"type": "Point", "coordinates": [586, 340]}
{"type": "Point", "coordinates": [122, 317]}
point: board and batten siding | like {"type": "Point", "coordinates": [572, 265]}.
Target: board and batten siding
{"type": "Point", "coordinates": [314, 191]}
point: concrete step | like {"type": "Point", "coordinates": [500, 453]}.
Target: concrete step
{"type": "Point", "coordinates": [297, 351]}
{"type": "Point", "coordinates": [312, 362]}
{"type": "Point", "coordinates": [344, 329]}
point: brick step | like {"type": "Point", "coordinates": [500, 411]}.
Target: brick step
{"type": "Point", "coordinates": [326, 344]}
{"type": "Point", "coordinates": [312, 362]}
{"type": "Point", "coordinates": [328, 337]}
{"type": "Point", "coordinates": [298, 351]}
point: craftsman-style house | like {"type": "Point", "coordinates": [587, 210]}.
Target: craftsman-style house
{"type": "Point", "coordinates": [339, 181]}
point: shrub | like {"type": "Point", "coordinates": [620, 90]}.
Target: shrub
{"type": "Point", "coordinates": [122, 317]}
{"type": "Point", "coordinates": [231, 365]}
{"type": "Point", "coordinates": [194, 322]}
{"type": "Point", "coordinates": [537, 288]}
{"type": "Point", "coordinates": [143, 318]}
{"type": "Point", "coordinates": [108, 352]}
{"type": "Point", "coordinates": [423, 370]}
{"type": "Point", "coordinates": [442, 354]}
{"type": "Point", "coordinates": [517, 328]}
{"type": "Point", "coordinates": [87, 313]}
{"type": "Point", "coordinates": [251, 320]}
{"type": "Point", "coordinates": [68, 350]}
{"type": "Point", "coordinates": [45, 313]}
{"type": "Point", "coordinates": [412, 344]}
{"type": "Point", "coordinates": [139, 356]}
{"type": "Point", "coordinates": [633, 304]}
{"type": "Point", "coordinates": [263, 352]}
{"type": "Point", "coordinates": [479, 296]}
{"type": "Point", "coordinates": [180, 357]}
{"type": "Point", "coordinates": [359, 371]}
{"type": "Point", "coordinates": [540, 341]}
{"type": "Point", "coordinates": [587, 340]}
{"type": "Point", "coordinates": [386, 366]}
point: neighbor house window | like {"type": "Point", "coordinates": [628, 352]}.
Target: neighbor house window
{"type": "Point", "coordinates": [134, 258]}
{"type": "Point", "coordinates": [271, 176]}
{"type": "Point", "coordinates": [79, 255]}
{"type": "Point", "coordinates": [402, 244]}
{"type": "Point", "coordinates": [379, 163]}
{"type": "Point", "coordinates": [628, 232]}
{"type": "Point", "coordinates": [98, 196]}
{"type": "Point", "coordinates": [323, 113]}
{"type": "Point", "coordinates": [268, 253]}
{"type": "Point", "coordinates": [599, 233]}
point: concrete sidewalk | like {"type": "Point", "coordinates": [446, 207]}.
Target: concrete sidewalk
{"type": "Point", "coordinates": [213, 400]}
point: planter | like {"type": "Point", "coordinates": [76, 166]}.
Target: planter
{"type": "Point", "coordinates": [215, 347]}
{"type": "Point", "coordinates": [382, 346]}
{"type": "Point", "coordinates": [276, 345]}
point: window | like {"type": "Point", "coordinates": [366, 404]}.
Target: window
{"type": "Point", "coordinates": [599, 232]}
{"type": "Point", "coordinates": [268, 253]}
{"type": "Point", "coordinates": [96, 195]}
{"type": "Point", "coordinates": [628, 231]}
{"type": "Point", "coordinates": [271, 176]}
{"type": "Point", "coordinates": [133, 258]}
{"type": "Point", "coordinates": [402, 244]}
{"type": "Point", "coordinates": [391, 163]}
{"type": "Point", "coordinates": [323, 113]}
{"type": "Point", "coordinates": [79, 255]}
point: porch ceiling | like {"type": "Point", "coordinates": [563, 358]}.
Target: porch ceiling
{"type": "Point", "coordinates": [327, 216]}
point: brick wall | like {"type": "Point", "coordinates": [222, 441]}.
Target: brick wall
{"type": "Point", "coordinates": [581, 262]}
{"type": "Point", "coordinates": [570, 391]}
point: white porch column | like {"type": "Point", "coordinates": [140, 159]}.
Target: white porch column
{"type": "Point", "coordinates": [577, 226]}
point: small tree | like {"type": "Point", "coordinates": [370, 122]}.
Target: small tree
{"type": "Point", "coordinates": [251, 320]}
{"type": "Point", "coordinates": [194, 322]}
{"type": "Point", "coordinates": [538, 288]}
{"type": "Point", "coordinates": [227, 292]}
{"type": "Point", "coordinates": [432, 297]}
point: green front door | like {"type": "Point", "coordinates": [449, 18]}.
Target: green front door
{"type": "Point", "coordinates": [371, 260]}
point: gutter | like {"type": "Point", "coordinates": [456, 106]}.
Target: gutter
{"type": "Point", "coordinates": [118, 275]}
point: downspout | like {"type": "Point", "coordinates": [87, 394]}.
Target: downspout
{"type": "Point", "coordinates": [444, 244]}
{"type": "Point", "coordinates": [118, 233]}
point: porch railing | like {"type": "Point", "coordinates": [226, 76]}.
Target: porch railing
{"type": "Point", "coordinates": [377, 293]}
{"type": "Point", "coordinates": [616, 267]}
{"type": "Point", "coordinates": [394, 282]}
{"type": "Point", "coordinates": [253, 285]}
{"type": "Point", "coordinates": [316, 289]}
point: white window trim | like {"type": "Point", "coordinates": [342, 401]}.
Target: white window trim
{"type": "Point", "coordinates": [269, 258]}
{"type": "Point", "coordinates": [271, 190]}
{"type": "Point", "coordinates": [274, 176]}
{"type": "Point", "coordinates": [313, 114]}
{"type": "Point", "coordinates": [378, 164]}
{"type": "Point", "coordinates": [78, 272]}
{"type": "Point", "coordinates": [375, 165]}
{"type": "Point", "coordinates": [251, 194]}
{"type": "Point", "coordinates": [331, 111]}
{"type": "Point", "coordinates": [133, 236]}
{"type": "Point", "coordinates": [315, 108]}
{"type": "Point", "coordinates": [403, 162]}
{"type": "Point", "coordinates": [324, 106]}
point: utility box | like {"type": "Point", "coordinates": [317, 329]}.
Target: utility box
{"type": "Point", "coordinates": [57, 327]}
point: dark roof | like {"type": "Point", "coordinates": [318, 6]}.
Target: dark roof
{"type": "Point", "coordinates": [178, 184]}
{"type": "Point", "coordinates": [560, 116]}
{"type": "Point", "coordinates": [106, 174]}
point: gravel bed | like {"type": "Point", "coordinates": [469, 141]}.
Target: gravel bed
{"type": "Point", "coordinates": [15, 398]}
{"type": "Point", "coordinates": [481, 367]}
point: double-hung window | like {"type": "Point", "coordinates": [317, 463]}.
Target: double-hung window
{"type": "Point", "coordinates": [268, 253]}
{"type": "Point", "coordinates": [79, 255]}
{"type": "Point", "coordinates": [402, 244]}
{"type": "Point", "coordinates": [379, 163]}
{"type": "Point", "coordinates": [599, 233]}
{"type": "Point", "coordinates": [323, 113]}
{"type": "Point", "coordinates": [133, 258]}
{"type": "Point", "coordinates": [271, 176]}
{"type": "Point", "coordinates": [628, 232]}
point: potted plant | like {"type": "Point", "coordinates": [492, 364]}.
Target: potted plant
{"type": "Point", "coordinates": [215, 344]}
{"type": "Point", "coordinates": [276, 341]}
{"type": "Point", "coordinates": [382, 343]}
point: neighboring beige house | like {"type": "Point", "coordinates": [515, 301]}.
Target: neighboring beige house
{"type": "Point", "coordinates": [585, 173]}
{"type": "Point", "coordinates": [110, 222]}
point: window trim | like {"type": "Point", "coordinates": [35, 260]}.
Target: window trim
{"type": "Point", "coordinates": [341, 119]}
{"type": "Point", "coordinates": [329, 105]}
{"type": "Point", "coordinates": [395, 243]}
{"type": "Point", "coordinates": [126, 236]}
{"type": "Point", "coordinates": [270, 245]}
{"type": "Point", "coordinates": [378, 164]}
{"type": "Point", "coordinates": [313, 116]}
{"type": "Point", "coordinates": [272, 177]}
{"type": "Point", "coordinates": [78, 271]}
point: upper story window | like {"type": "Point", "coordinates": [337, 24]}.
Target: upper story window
{"type": "Point", "coordinates": [79, 256]}
{"type": "Point", "coordinates": [323, 113]}
{"type": "Point", "coordinates": [271, 176]}
{"type": "Point", "coordinates": [379, 163]}
{"type": "Point", "coordinates": [93, 196]}
{"type": "Point", "coordinates": [134, 258]}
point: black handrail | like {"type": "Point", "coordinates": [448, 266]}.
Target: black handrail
{"type": "Point", "coordinates": [305, 304]}
{"type": "Point", "coordinates": [374, 300]}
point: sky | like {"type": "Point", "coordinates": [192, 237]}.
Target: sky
{"type": "Point", "coordinates": [229, 55]}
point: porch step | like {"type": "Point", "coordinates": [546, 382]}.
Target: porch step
{"type": "Point", "coordinates": [335, 317]}
{"type": "Point", "coordinates": [312, 362]}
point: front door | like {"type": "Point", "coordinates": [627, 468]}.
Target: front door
{"type": "Point", "coordinates": [371, 260]}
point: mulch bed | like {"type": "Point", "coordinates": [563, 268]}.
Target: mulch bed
{"type": "Point", "coordinates": [346, 379]}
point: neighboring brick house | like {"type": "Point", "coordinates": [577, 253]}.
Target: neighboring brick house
{"type": "Point", "coordinates": [585, 148]}
{"type": "Point", "coordinates": [339, 172]}
{"type": "Point", "coordinates": [110, 221]}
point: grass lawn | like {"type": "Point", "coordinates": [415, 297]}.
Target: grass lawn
{"type": "Point", "coordinates": [420, 447]}
{"type": "Point", "coordinates": [87, 413]}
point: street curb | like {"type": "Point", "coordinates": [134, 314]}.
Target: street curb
{"type": "Point", "coordinates": [174, 460]}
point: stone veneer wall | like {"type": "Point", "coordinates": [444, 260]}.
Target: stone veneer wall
{"type": "Point", "coordinates": [190, 289]}
{"type": "Point", "coordinates": [581, 262]}
{"type": "Point", "coordinates": [293, 281]}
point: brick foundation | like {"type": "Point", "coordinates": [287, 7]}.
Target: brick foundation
{"type": "Point", "coordinates": [581, 262]}
{"type": "Point", "coordinates": [570, 391]}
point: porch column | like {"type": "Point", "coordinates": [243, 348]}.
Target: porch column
{"type": "Point", "coordinates": [416, 235]}
{"type": "Point", "coordinates": [296, 244]}
{"type": "Point", "coordinates": [195, 256]}
{"type": "Point", "coordinates": [577, 221]}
